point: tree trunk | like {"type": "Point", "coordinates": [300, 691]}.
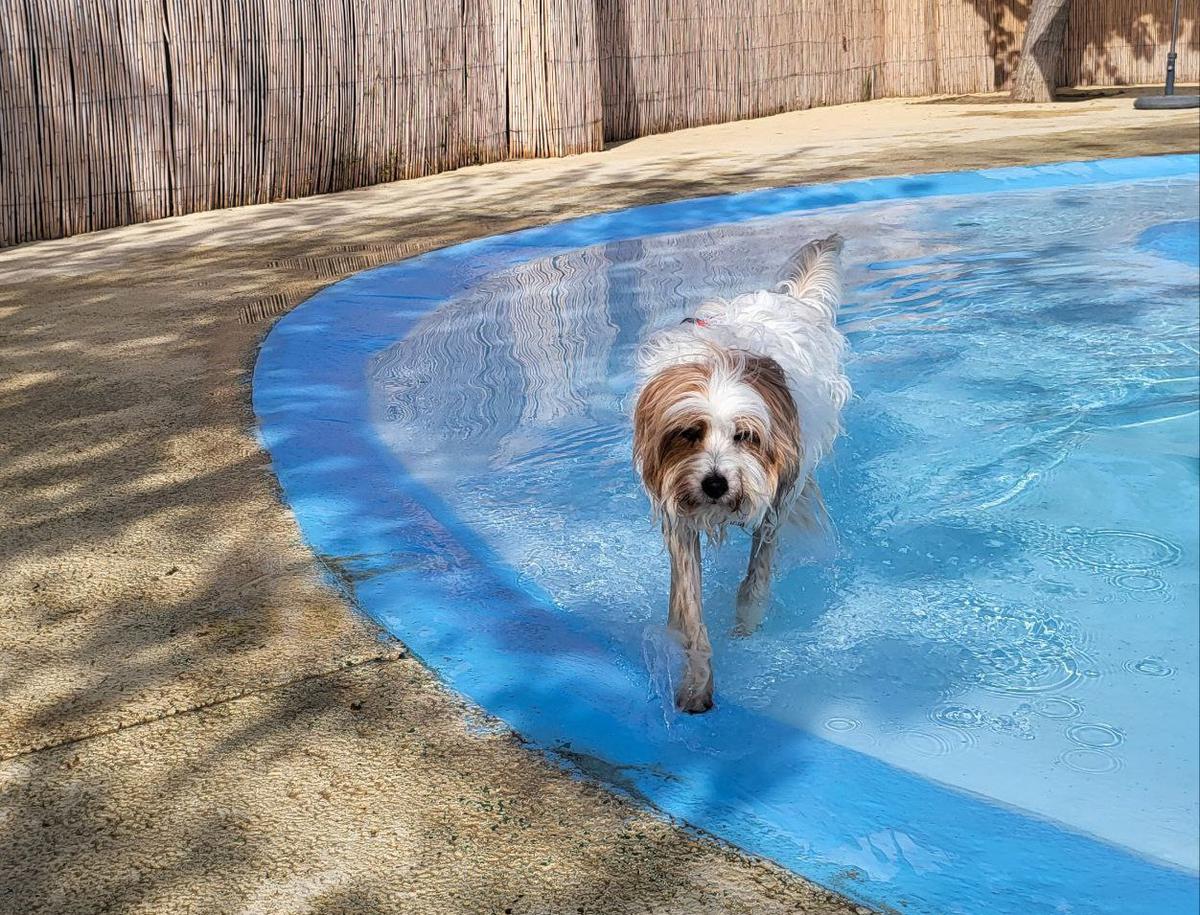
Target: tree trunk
{"type": "Point", "coordinates": [1037, 70]}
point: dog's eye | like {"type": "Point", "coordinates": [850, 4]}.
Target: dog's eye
{"type": "Point", "coordinates": [746, 437]}
{"type": "Point", "coordinates": [692, 434]}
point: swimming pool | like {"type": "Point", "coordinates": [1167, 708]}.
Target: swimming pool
{"type": "Point", "coordinates": [982, 695]}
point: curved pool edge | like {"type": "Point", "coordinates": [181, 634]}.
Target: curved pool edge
{"type": "Point", "coordinates": [355, 501]}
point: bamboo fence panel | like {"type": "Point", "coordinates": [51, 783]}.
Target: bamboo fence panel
{"type": "Point", "coordinates": [122, 111]}
{"type": "Point", "coordinates": [1124, 42]}
{"type": "Point", "coordinates": [552, 77]}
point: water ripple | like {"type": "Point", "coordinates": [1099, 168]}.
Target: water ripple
{"type": "Point", "coordinates": [926, 743]}
{"type": "Point", "coordinates": [1139, 582]}
{"type": "Point", "coordinates": [1150, 667]}
{"type": "Point", "coordinates": [1097, 736]}
{"type": "Point", "coordinates": [841, 725]}
{"type": "Point", "coordinates": [959, 716]}
{"type": "Point", "coordinates": [1090, 761]}
{"type": "Point", "coordinates": [1116, 550]}
{"type": "Point", "coordinates": [1058, 707]}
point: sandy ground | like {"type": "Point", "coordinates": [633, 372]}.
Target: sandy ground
{"type": "Point", "coordinates": [191, 720]}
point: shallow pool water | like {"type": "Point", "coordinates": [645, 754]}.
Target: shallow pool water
{"type": "Point", "coordinates": [981, 693]}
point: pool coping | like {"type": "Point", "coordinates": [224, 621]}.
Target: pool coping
{"type": "Point", "coordinates": [298, 408]}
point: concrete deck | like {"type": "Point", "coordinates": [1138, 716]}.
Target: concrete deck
{"type": "Point", "coordinates": [190, 719]}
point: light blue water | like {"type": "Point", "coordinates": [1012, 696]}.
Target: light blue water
{"type": "Point", "coordinates": [1010, 606]}
{"type": "Point", "coordinates": [996, 657]}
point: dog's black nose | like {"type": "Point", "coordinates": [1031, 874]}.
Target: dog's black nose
{"type": "Point", "coordinates": [714, 485]}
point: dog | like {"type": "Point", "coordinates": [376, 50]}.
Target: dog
{"type": "Point", "coordinates": [735, 408]}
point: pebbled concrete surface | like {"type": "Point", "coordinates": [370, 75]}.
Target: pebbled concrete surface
{"type": "Point", "coordinates": [192, 719]}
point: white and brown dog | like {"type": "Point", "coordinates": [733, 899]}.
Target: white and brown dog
{"type": "Point", "coordinates": [737, 406]}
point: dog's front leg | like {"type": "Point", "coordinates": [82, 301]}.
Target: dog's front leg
{"type": "Point", "coordinates": [755, 589]}
{"type": "Point", "coordinates": [685, 618]}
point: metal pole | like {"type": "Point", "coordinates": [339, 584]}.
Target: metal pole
{"type": "Point", "coordinates": [1169, 100]}
{"type": "Point", "coordinates": [1170, 88]}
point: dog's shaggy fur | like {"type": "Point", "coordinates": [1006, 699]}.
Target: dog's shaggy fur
{"type": "Point", "coordinates": [737, 406]}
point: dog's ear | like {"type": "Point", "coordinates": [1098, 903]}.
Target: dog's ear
{"type": "Point", "coordinates": [656, 444]}
{"type": "Point", "coordinates": [783, 452]}
{"type": "Point", "coordinates": [647, 422]}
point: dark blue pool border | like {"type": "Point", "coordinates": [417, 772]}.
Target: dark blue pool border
{"type": "Point", "coordinates": [903, 841]}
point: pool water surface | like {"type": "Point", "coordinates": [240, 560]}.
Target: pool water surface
{"type": "Point", "coordinates": [981, 692]}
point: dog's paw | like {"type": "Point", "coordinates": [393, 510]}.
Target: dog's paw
{"type": "Point", "coordinates": [751, 607]}
{"type": "Point", "coordinates": [696, 704]}
{"type": "Point", "coordinates": [693, 698]}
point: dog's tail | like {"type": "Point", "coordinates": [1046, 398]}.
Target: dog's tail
{"type": "Point", "coordinates": [814, 273]}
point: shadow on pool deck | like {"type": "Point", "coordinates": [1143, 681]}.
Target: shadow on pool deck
{"type": "Point", "coordinates": [191, 718]}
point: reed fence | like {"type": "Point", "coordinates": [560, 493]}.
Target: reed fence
{"type": "Point", "coordinates": [121, 111]}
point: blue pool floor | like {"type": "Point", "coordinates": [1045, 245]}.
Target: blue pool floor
{"type": "Point", "coordinates": [980, 696]}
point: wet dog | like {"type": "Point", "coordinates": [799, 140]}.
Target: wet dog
{"type": "Point", "coordinates": [736, 407]}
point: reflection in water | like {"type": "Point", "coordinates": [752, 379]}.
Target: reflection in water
{"type": "Point", "coordinates": [1010, 603]}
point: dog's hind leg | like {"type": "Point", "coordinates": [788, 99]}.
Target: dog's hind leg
{"type": "Point", "coordinates": [755, 589]}
{"type": "Point", "coordinates": [685, 618]}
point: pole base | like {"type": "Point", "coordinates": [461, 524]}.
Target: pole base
{"type": "Point", "coordinates": [1166, 101]}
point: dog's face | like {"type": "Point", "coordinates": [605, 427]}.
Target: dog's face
{"type": "Point", "coordinates": [717, 441]}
